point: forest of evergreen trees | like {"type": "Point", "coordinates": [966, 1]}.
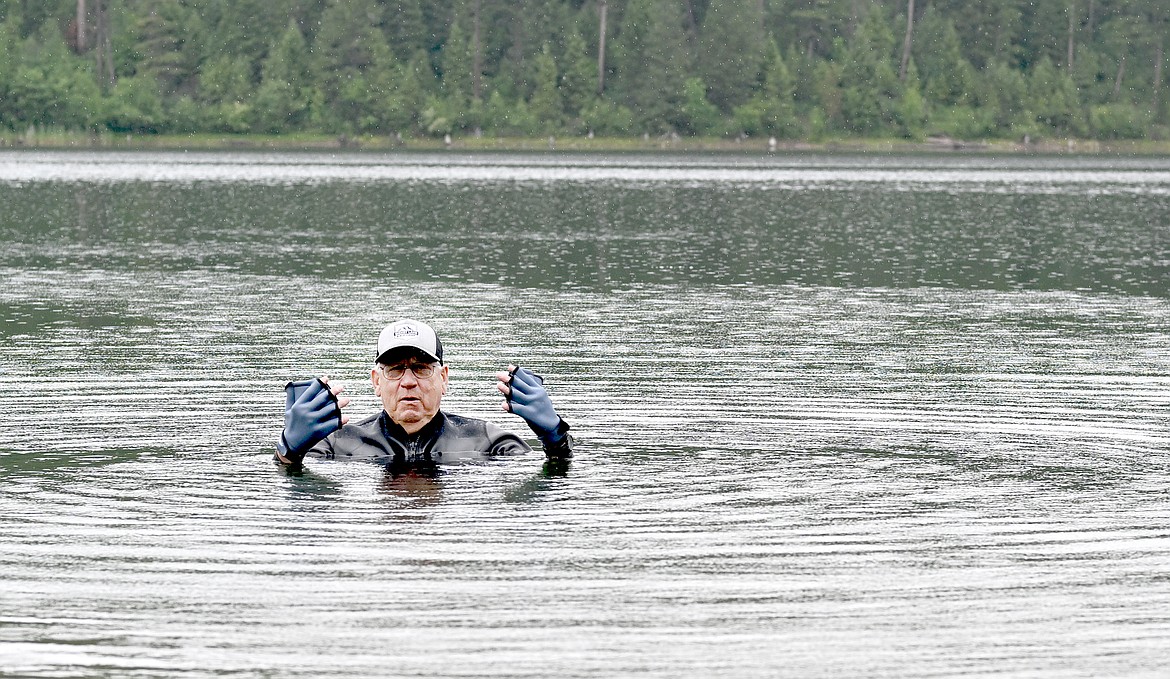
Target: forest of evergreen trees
{"type": "Point", "coordinates": [790, 69]}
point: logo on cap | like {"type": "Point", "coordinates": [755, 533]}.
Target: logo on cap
{"type": "Point", "coordinates": [406, 331]}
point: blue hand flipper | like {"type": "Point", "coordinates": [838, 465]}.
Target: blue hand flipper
{"type": "Point", "coordinates": [310, 414]}
{"type": "Point", "coordinates": [530, 401]}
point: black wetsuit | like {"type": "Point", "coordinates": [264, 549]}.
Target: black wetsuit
{"type": "Point", "coordinates": [447, 438]}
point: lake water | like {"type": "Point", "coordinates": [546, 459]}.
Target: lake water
{"type": "Point", "coordinates": [837, 416]}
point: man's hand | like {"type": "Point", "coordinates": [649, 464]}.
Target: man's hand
{"type": "Point", "coordinates": [312, 411]}
{"type": "Point", "coordinates": [524, 395]}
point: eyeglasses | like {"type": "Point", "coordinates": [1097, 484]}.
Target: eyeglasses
{"type": "Point", "coordinates": [420, 370]}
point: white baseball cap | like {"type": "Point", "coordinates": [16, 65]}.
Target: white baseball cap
{"type": "Point", "coordinates": [411, 334]}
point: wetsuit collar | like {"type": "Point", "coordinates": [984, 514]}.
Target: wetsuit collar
{"type": "Point", "coordinates": [430, 430]}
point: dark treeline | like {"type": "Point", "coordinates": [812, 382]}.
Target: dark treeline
{"type": "Point", "coordinates": [805, 69]}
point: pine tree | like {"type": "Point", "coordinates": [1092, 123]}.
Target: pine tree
{"type": "Point", "coordinates": [949, 77]}
{"type": "Point", "coordinates": [998, 67]}
{"type": "Point", "coordinates": [135, 105]}
{"type": "Point", "coordinates": [456, 64]}
{"type": "Point", "coordinates": [1121, 36]}
{"type": "Point", "coordinates": [1052, 97]}
{"type": "Point", "coordinates": [732, 50]}
{"type": "Point", "coordinates": [405, 28]}
{"type": "Point", "coordinates": [49, 84]}
{"type": "Point", "coordinates": [870, 88]}
{"type": "Point", "coordinates": [989, 28]}
{"type": "Point", "coordinates": [225, 88]}
{"type": "Point", "coordinates": [515, 34]}
{"type": "Point", "coordinates": [826, 85]}
{"type": "Point", "coordinates": [811, 26]}
{"type": "Point", "coordinates": [162, 35]}
{"type": "Point", "coordinates": [245, 29]}
{"type": "Point", "coordinates": [1005, 97]}
{"type": "Point", "coordinates": [651, 61]}
{"type": "Point", "coordinates": [698, 115]}
{"type": "Point", "coordinates": [352, 62]}
{"type": "Point", "coordinates": [546, 104]}
{"type": "Point", "coordinates": [771, 111]}
{"type": "Point", "coordinates": [8, 61]}
{"type": "Point", "coordinates": [285, 94]}
{"type": "Point", "coordinates": [578, 83]}
{"type": "Point", "coordinates": [911, 114]}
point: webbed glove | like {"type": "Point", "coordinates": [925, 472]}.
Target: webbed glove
{"type": "Point", "coordinates": [530, 401]}
{"type": "Point", "coordinates": [310, 414]}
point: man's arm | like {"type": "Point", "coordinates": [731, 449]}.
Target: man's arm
{"type": "Point", "coordinates": [312, 411]}
{"type": "Point", "coordinates": [525, 395]}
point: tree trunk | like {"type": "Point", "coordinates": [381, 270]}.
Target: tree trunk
{"type": "Point", "coordinates": [601, 48]}
{"type": "Point", "coordinates": [1117, 81]}
{"type": "Point", "coordinates": [476, 55]}
{"type": "Point", "coordinates": [81, 27]}
{"type": "Point", "coordinates": [1072, 8]}
{"type": "Point", "coordinates": [1159, 56]}
{"type": "Point", "coordinates": [104, 52]}
{"type": "Point", "coordinates": [692, 24]}
{"type": "Point", "coordinates": [906, 44]}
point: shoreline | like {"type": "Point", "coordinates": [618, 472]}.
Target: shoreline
{"type": "Point", "coordinates": [252, 142]}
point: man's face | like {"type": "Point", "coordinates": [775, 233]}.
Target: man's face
{"type": "Point", "coordinates": [410, 401]}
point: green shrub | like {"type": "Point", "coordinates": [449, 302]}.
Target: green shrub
{"type": "Point", "coordinates": [962, 122]}
{"type": "Point", "coordinates": [1119, 121]}
{"type": "Point", "coordinates": [134, 105]}
{"type": "Point", "coordinates": [604, 117]}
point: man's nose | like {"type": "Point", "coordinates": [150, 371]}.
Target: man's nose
{"type": "Point", "coordinates": [408, 379]}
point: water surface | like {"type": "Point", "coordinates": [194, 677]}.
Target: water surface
{"type": "Point", "coordinates": [837, 415]}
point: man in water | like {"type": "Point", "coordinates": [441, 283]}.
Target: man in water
{"type": "Point", "coordinates": [411, 431]}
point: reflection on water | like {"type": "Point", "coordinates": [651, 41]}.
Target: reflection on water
{"type": "Point", "coordinates": [1101, 226]}
{"type": "Point", "coordinates": [867, 426]}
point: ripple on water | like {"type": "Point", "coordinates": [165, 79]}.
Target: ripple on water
{"type": "Point", "coordinates": [872, 461]}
